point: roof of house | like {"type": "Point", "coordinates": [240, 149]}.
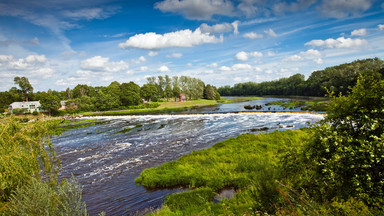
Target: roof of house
{"type": "Point", "coordinates": [22, 105]}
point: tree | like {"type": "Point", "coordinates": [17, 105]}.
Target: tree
{"type": "Point", "coordinates": [209, 93]}
{"type": "Point", "coordinates": [24, 85]}
{"type": "Point", "coordinates": [149, 92]}
{"type": "Point", "coordinates": [348, 146]}
{"type": "Point", "coordinates": [49, 102]}
{"type": "Point", "coordinates": [130, 94]}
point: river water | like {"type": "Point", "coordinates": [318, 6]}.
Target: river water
{"type": "Point", "coordinates": [106, 162]}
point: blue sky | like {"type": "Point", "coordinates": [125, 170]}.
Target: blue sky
{"type": "Point", "coordinates": [58, 44]}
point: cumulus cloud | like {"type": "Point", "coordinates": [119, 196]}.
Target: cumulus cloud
{"type": "Point", "coordinates": [311, 54]}
{"type": "Point", "coordinates": [270, 32]}
{"type": "Point", "coordinates": [252, 35]}
{"type": "Point", "coordinates": [220, 28]}
{"type": "Point", "coordinates": [381, 27]}
{"type": "Point", "coordinates": [344, 8]}
{"type": "Point", "coordinates": [340, 42]}
{"type": "Point", "coordinates": [183, 38]}
{"type": "Point", "coordinates": [239, 67]}
{"type": "Point", "coordinates": [197, 9]}
{"type": "Point", "coordinates": [163, 69]}
{"type": "Point", "coordinates": [102, 64]}
{"type": "Point", "coordinates": [30, 66]}
{"type": "Point", "coordinates": [175, 55]}
{"type": "Point", "coordinates": [244, 56]}
{"type": "Point", "coordinates": [141, 59]}
{"type": "Point", "coordinates": [359, 32]}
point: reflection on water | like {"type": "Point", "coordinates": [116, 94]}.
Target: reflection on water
{"type": "Point", "coordinates": [106, 162]}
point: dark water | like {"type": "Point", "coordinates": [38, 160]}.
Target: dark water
{"type": "Point", "coordinates": [106, 163]}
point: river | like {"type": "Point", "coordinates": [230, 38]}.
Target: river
{"type": "Point", "coordinates": [106, 162]}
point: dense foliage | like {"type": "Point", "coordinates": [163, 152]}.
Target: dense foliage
{"type": "Point", "coordinates": [348, 147]}
{"type": "Point", "coordinates": [338, 79]}
{"type": "Point", "coordinates": [113, 97]}
{"type": "Point", "coordinates": [29, 169]}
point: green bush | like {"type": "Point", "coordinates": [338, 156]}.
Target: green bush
{"type": "Point", "coordinates": [35, 113]}
{"type": "Point", "coordinates": [42, 198]}
{"type": "Point", "coordinates": [347, 148]}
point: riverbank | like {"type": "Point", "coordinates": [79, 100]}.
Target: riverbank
{"type": "Point", "coordinates": [252, 174]}
{"type": "Point", "coordinates": [174, 107]}
{"type": "Point", "coordinates": [239, 165]}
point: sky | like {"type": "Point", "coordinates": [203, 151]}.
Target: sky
{"type": "Point", "coordinates": [58, 44]}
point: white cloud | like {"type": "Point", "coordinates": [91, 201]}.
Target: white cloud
{"type": "Point", "coordinates": [183, 38]}
{"type": "Point", "coordinates": [344, 8]}
{"type": "Point", "coordinates": [340, 42]}
{"type": "Point", "coordinates": [311, 54]}
{"type": "Point", "coordinates": [244, 56]}
{"type": "Point", "coordinates": [252, 35]}
{"type": "Point", "coordinates": [270, 32]}
{"type": "Point", "coordinates": [163, 69]}
{"type": "Point", "coordinates": [239, 67]}
{"type": "Point", "coordinates": [236, 27]}
{"type": "Point", "coordinates": [189, 64]}
{"type": "Point", "coordinates": [101, 64]}
{"type": "Point", "coordinates": [197, 9]}
{"type": "Point", "coordinates": [175, 55]}
{"type": "Point", "coordinates": [141, 59]}
{"type": "Point", "coordinates": [30, 66]}
{"type": "Point", "coordinates": [359, 32]}
{"type": "Point", "coordinates": [225, 68]}
{"type": "Point", "coordinates": [380, 26]}
{"type": "Point", "coordinates": [218, 28]}
{"type": "Point", "coordinates": [153, 53]}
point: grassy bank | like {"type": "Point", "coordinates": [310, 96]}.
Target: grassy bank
{"type": "Point", "coordinates": [171, 107]}
{"type": "Point", "coordinates": [258, 168]}
{"type": "Point", "coordinates": [243, 163]}
{"type": "Point", "coordinates": [315, 104]}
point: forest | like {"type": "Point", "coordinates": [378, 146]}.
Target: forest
{"type": "Point", "coordinates": [112, 97]}
{"type": "Point", "coordinates": [338, 79]}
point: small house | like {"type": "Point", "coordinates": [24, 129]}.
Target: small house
{"type": "Point", "coordinates": [183, 98]}
{"type": "Point", "coordinates": [28, 106]}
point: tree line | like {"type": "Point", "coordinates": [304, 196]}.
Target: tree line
{"type": "Point", "coordinates": [338, 79]}
{"type": "Point", "coordinates": [114, 96]}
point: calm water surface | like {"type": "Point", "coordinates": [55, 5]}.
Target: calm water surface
{"type": "Point", "coordinates": [106, 163]}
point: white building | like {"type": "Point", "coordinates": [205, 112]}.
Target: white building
{"type": "Point", "coordinates": [29, 106]}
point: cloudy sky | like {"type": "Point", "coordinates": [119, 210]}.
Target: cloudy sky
{"type": "Point", "coordinates": [60, 43]}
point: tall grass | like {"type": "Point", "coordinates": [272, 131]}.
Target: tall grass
{"type": "Point", "coordinates": [28, 172]}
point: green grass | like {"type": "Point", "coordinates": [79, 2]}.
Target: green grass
{"type": "Point", "coordinates": [246, 163]}
{"type": "Point", "coordinates": [70, 125]}
{"type": "Point", "coordinates": [312, 105]}
{"type": "Point", "coordinates": [225, 164]}
{"type": "Point", "coordinates": [242, 99]}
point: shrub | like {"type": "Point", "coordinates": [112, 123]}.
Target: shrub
{"type": "Point", "coordinates": [348, 146]}
{"type": "Point", "coordinates": [41, 198]}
